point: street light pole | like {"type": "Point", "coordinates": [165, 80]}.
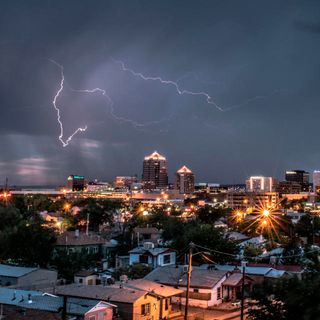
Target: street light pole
{"type": "Point", "coordinates": [188, 280]}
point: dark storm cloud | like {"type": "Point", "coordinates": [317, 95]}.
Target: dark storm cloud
{"type": "Point", "coordinates": [258, 60]}
{"type": "Point", "coordinates": [307, 26]}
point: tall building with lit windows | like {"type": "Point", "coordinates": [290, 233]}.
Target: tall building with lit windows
{"type": "Point", "coordinates": [155, 175]}
{"type": "Point", "coordinates": [75, 183]}
{"type": "Point", "coordinates": [260, 184]}
{"type": "Point", "coordinates": [316, 181]}
{"type": "Point", "coordinates": [299, 176]}
{"type": "Point", "coordinates": [184, 180]}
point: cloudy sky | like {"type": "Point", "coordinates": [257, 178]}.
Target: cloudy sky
{"type": "Point", "coordinates": [257, 60]}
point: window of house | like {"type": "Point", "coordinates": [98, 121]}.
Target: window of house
{"type": "Point", "coordinates": [80, 280]}
{"type": "Point", "coordinates": [101, 315]}
{"type": "Point", "coordinates": [92, 317]}
{"type": "Point", "coordinates": [219, 293]}
{"type": "Point", "coordinates": [167, 258]}
{"type": "Point", "coordinates": [145, 309]}
{"type": "Point", "coordinates": [196, 290]}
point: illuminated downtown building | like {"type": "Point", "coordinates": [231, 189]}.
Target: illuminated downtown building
{"type": "Point", "coordinates": [299, 176]}
{"type": "Point", "coordinates": [184, 180]}
{"type": "Point", "coordinates": [75, 183]}
{"type": "Point", "coordinates": [316, 181]}
{"type": "Point", "coordinates": [260, 184]}
{"type": "Point", "coordinates": [245, 200]}
{"type": "Point", "coordinates": [154, 175]}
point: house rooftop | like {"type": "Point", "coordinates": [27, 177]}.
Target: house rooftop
{"type": "Point", "coordinates": [152, 287]}
{"type": "Point", "coordinates": [70, 238]}
{"type": "Point", "coordinates": [147, 230]}
{"type": "Point", "coordinates": [154, 251]}
{"type": "Point", "coordinates": [37, 300]}
{"type": "Point", "coordinates": [14, 271]}
{"type": "Point", "coordinates": [99, 292]}
{"type": "Point", "coordinates": [175, 276]}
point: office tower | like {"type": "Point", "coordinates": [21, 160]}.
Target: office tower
{"type": "Point", "coordinates": [184, 180]}
{"type": "Point", "coordinates": [75, 183]}
{"type": "Point", "coordinates": [155, 174]}
{"type": "Point", "coordinates": [260, 184]}
{"type": "Point", "coordinates": [299, 176]}
{"type": "Point", "coordinates": [316, 181]}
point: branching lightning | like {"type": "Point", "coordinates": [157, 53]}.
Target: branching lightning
{"type": "Point", "coordinates": [65, 142]}
{"type": "Point", "coordinates": [171, 83]}
{"type": "Point", "coordinates": [103, 92]}
{"type": "Point", "coordinates": [54, 102]}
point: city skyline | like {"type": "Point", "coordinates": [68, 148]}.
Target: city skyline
{"type": "Point", "coordinates": [228, 89]}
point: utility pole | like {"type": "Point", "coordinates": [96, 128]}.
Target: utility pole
{"type": "Point", "coordinates": [87, 226]}
{"type": "Point", "coordinates": [243, 265]}
{"type": "Point", "coordinates": [191, 245]}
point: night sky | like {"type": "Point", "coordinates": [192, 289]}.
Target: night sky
{"type": "Point", "coordinates": [258, 60]}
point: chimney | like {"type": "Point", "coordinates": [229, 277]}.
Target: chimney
{"type": "Point", "coordinates": [29, 298]}
{"type": "Point", "coordinates": [76, 233]}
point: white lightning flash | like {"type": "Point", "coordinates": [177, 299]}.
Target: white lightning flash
{"type": "Point", "coordinates": [65, 142]}
{"type": "Point", "coordinates": [171, 83]}
{"type": "Point", "coordinates": [54, 102]}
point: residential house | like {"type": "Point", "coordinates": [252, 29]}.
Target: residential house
{"type": "Point", "coordinates": [154, 257]}
{"type": "Point", "coordinates": [232, 286]}
{"type": "Point", "coordinates": [257, 273]}
{"type": "Point", "coordinates": [147, 235]}
{"type": "Point", "coordinates": [75, 241]}
{"type": "Point", "coordinates": [205, 285]}
{"type": "Point", "coordinates": [48, 306]}
{"type": "Point", "coordinates": [165, 294]}
{"type": "Point", "coordinates": [86, 277]}
{"type": "Point", "coordinates": [133, 303]}
{"type": "Point", "coordinates": [26, 278]}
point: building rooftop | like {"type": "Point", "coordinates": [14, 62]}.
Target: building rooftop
{"type": "Point", "coordinates": [69, 238]}
{"type": "Point", "coordinates": [13, 271]}
{"type": "Point", "coordinates": [152, 287]}
{"type": "Point", "coordinates": [155, 156]}
{"type": "Point", "coordinates": [99, 292]}
{"type": "Point", "coordinates": [174, 276]}
{"type": "Point", "coordinates": [147, 230]}
{"type": "Point", "coordinates": [45, 302]}
{"type": "Point", "coordinates": [184, 169]}
{"type": "Point", "coordinates": [154, 251]}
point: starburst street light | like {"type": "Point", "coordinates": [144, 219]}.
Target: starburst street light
{"type": "Point", "coordinates": [266, 213]}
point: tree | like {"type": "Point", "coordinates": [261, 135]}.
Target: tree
{"type": "Point", "coordinates": [287, 299]}
{"type": "Point", "coordinates": [23, 238]}
{"type": "Point", "coordinates": [69, 263]}
{"type": "Point", "coordinates": [99, 212]}
{"type": "Point", "coordinates": [207, 236]}
{"type": "Point", "coordinates": [210, 215]}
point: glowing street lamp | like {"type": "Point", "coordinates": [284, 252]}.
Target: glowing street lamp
{"type": "Point", "coordinates": [266, 213]}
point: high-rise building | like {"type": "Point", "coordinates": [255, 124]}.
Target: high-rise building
{"type": "Point", "coordinates": [260, 184]}
{"type": "Point", "coordinates": [75, 183]}
{"type": "Point", "coordinates": [155, 174]}
{"type": "Point", "coordinates": [299, 176]}
{"type": "Point", "coordinates": [316, 181]}
{"type": "Point", "coordinates": [184, 180]}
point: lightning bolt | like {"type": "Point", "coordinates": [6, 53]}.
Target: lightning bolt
{"type": "Point", "coordinates": [65, 142]}
{"type": "Point", "coordinates": [57, 108]}
{"type": "Point", "coordinates": [180, 91]}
